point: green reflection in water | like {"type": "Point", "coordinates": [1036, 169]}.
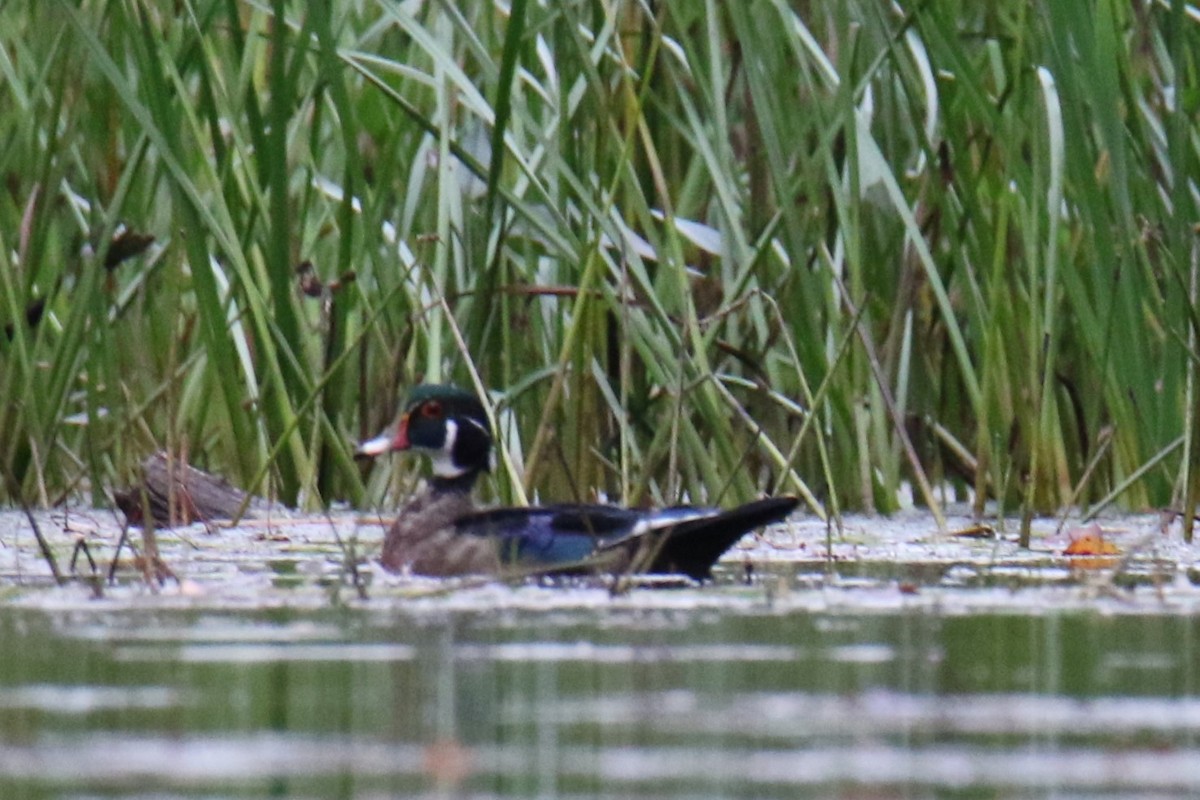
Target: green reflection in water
{"type": "Point", "coordinates": [625, 704]}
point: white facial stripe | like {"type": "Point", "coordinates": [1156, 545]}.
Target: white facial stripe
{"type": "Point", "coordinates": [487, 435]}
{"type": "Point", "coordinates": [479, 425]}
{"type": "Point", "coordinates": [443, 463]}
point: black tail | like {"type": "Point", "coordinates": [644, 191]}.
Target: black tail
{"type": "Point", "coordinates": [692, 547]}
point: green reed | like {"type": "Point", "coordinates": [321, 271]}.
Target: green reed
{"type": "Point", "coordinates": [691, 249]}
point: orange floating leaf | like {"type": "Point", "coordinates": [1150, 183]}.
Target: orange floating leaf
{"type": "Point", "coordinates": [1090, 541]}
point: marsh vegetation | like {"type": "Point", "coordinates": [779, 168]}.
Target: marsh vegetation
{"type": "Point", "coordinates": [690, 249]}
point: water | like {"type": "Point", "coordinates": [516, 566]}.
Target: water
{"type": "Point", "coordinates": [971, 671]}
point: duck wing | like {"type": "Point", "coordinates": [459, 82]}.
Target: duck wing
{"type": "Point", "coordinates": [580, 537]}
{"type": "Point", "coordinates": [566, 535]}
{"type": "Point", "coordinates": [692, 546]}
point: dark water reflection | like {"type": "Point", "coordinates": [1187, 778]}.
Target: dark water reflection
{"type": "Point", "coordinates": [654, 703]}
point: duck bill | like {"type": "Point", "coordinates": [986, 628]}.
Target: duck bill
{"type": "Point", "coordinates": [393, 437]}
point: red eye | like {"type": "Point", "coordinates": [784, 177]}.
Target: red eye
{"type": "Point", "coordinates": [431, 409]}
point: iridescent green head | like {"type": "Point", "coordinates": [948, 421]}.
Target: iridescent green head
{"type": "Point", "coordinates": [447, 423]}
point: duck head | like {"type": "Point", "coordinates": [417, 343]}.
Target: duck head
{"type": "Point", "coordinates": [446, 423]}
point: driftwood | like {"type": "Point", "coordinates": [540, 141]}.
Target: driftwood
{"type": "Point", "coordinates": [178, 494]}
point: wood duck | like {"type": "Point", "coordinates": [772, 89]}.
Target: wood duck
{"type": "Point", "coordinates": [439, 531]}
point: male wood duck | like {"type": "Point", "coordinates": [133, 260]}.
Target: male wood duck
{"type": "Point", "coordinates": [439, 532]}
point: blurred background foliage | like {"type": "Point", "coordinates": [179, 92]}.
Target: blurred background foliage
{"type": "Point", "coordinates": [856, 251]}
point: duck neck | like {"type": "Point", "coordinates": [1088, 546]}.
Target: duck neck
{"type": "Point", "coordinates": [459, 484]}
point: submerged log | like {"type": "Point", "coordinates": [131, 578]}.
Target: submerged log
{"type": "Point", "coordinates": [175, 494]}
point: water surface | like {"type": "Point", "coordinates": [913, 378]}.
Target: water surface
{"type": "Point", "coordinates": [909, 665]}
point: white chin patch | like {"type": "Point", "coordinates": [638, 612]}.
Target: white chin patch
{"type": "Point", "coordinates": [443, 463]}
